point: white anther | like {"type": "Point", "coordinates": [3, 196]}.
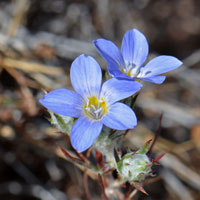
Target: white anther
{"type": "Point", "coordinates": [87, 108]}
{"type": "Point", "coordinates": [98, 110]}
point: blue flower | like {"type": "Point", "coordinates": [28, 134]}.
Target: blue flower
{"type": "Point", "coordinates": [93, 104]}
{"type": "Point", "coordinates": [128, 63]}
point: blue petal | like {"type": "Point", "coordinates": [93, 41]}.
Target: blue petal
{"type": "Point", "coordinates": [134, 47]}
{"type": "Point", "coordinates": [120, 117]}
{"type": "Point", "coordinates": [86, 76]}
{"type": "Point", "coordinates": [110, 52]}
{"type": "Point", "coordinates": [84, 132]}
{"type": "Point", "coordinates": [159, 65]}
{"type": "Point", "coordinates": [64, 102]}
{"type": "Point", "coordinates": [115, 72]}
{"type": "Point", "coordinates": [155, 79]}
{"type": "Point", "coordinates": [114, 90]}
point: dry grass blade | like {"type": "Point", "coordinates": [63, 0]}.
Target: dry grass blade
{"type": "Point", "coordinates": [175, 185]}
{"type": "Point", "coordinates": [177, 113]}
{"type": "Point", "coordinates": [162, 144]}
{"type": "Point", "coordinates": [29, 103]}
{"type": "Point", "coordinates": [186, 174]}
{"type": "Point", "coordinates": [46, 82]}
{"type": "Point", "coordinates": [133, 193]}
{"type": "Point", "coordinates": [31, 66]}
{"type": "Point", "coordinates": [22, 80]}
{"type": "Point", "coordinates": [20, 12]}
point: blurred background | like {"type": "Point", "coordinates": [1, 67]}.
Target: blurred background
{"type": "Point", "coordinates": [38, 42]}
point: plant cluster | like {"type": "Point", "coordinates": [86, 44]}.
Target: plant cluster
{"type": "Point", "coordinates": [98, 115]}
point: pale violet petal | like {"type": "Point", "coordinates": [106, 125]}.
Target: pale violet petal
{"type": "Point", "coordinates": [64, 102]}
{"type": "Point", "coordinates": [110, 52]}
{"type": "Point", "coordinates": [84, 132]}
{"type": "Point", "coordinates": [159, 65]}
{"type": "Point", "coordinates": [114, 90]}
{"type": "Point", "coordinates": [86, 76]}
{"type": "Point", "coordinates": [155, 79]}
{"type": "Point", "coordinates": [120, 117]}
{"type": "Point", "coordinates": [134, 47]}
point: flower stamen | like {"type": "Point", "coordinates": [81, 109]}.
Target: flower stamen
{"type": "Point", "coordinates": [131, 70]}
{"type": "Point", "coordinates": [95, 108]}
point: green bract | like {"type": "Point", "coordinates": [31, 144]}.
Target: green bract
{"type": "Point", "coordinates": [62, 123]}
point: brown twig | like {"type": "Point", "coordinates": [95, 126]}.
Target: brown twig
{"type": "Point", "coordinates": [82, 157]}
{"type": "Point", "coordinates": [100, 180]}
{"type": "Point", "coordinates": [157, 134]}
{"type": "Point", "coordinates": [85, 178]}
{"type": "Point", "coordinates": [68, 155]}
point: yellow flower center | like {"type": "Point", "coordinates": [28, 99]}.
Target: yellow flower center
{"type": "Point", "coordinates": [95, 108]}
{"type": "Point", "coordinates": [131, 70]}
{"type": "Point", "coordinates": [128, 73]}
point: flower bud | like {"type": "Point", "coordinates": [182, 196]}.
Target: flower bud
{"type": "Point", "coordinates": [133, 167]}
